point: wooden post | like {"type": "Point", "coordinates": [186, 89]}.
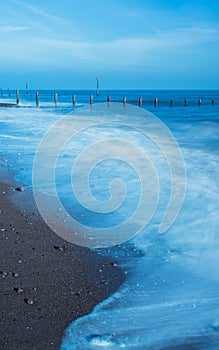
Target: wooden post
{"type": "Point", "coordinates": [74, 100]}
{"type": "Point", "coordinates": [55, 98]}
{"type": "Point", "coordinates": [9, 94]}
{"type": "Point", "coordinates": [108, 98]}
{"type": "Point", "coordinates": [17, 97]}
{"type": "Point", "coordinates": [185, 102]}
{"type": "Point", "coordinates": [91, 99]}
{"type": "Point", "coordinates": [97, 90]}
{"type": "Point", "coordinates": [124, 100]}
{"type": "Point", "coordinates": [171, 102]}
{"type": "Point", "coordinates": [212, 102]}
{"type": "Point", "coordinates": [140, 101]}
{"type": "Point", "coordinates": [199, 102]}
{"type": "Point", "coordinates": [37, 99]}
{"type": "Point", "coordinates": [156, 102]}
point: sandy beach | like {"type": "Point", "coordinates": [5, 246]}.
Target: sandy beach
{"type": "Point", "coordinates": [45, 282]}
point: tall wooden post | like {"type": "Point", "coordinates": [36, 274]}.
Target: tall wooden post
{"type": "Point", "coordinates": [37, 99]}
{"type": "Point", "coordinates": [97, 90]}
{"type": "Point", "coordinates": [140, 102]}
{"type": "Point", "coordinates": [74, 100]}
{"type": "Point", "coordinates": [185, 102]}
{"type": "Point", "coordinates": [124, 100]}
{"type": "Point", "coordinates": [91, 99]}
{"type": "Point", "coordinates": [56, 98]}
{"type": "Point", "coordinates": [17, 97]}
{"type": "Point", "coordinates": [156, 102]}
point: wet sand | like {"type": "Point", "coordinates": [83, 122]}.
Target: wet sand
{"type": "Point", "coordinates": [45, 282]}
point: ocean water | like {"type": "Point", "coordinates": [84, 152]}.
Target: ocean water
{"type": "Point", "coordinates": [170, 299]}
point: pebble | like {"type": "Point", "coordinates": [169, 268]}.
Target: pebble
{"type": "Point", "coordinates": [19, 189]}
{"type": "Point", "coordinates": [19, 290]}
{"type": "Point", "coordinates": [114, 264]}
{"type": "Point", "coordinates": [28, 301]}
{"type": "Point", "coordinates": [3, 273]}
{"type": "Point", "coordinates": [15, 274]}
{"type": "Point", "coordinates": [58, 249]}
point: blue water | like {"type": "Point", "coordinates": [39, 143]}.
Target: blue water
{"type": "Point", "coordinates": [171, 293]}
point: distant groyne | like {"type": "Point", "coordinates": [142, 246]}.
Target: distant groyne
{"type": "Point", "coordinates": [16, 98]}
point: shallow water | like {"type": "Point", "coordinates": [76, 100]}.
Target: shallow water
{"type": "Point", "coordinates": [170, 296]}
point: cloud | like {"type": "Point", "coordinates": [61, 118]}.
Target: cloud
{"type": "Point", "coordinates": [154, 50]}
{"type": "Point", "coordinates": [195, 29]}
{"type": "Point", "coordinates": [11, 28]}
{"type": "Point", "coordinates": [151, 44]}
{"type": "Point", "coordinates": [40, 12]}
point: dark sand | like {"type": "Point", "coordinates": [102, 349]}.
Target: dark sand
{"type": "Point", "coordinates": [63, 284]}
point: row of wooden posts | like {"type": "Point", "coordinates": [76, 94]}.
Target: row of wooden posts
{"type": "Point", "coordinates": [140, 100]}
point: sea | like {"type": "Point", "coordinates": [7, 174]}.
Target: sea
{"type": "Point", "coordinates": [153, 168]}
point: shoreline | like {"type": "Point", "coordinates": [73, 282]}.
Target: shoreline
{"type": "Point", "coordinates": [46, 282]}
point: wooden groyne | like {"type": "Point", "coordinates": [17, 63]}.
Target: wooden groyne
{"type": "Point", "coordinates": [8, 104]}
{"type": "Point", "coordinates": [73, 98]}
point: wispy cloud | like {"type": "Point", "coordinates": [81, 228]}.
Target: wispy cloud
{"type": "Point", "coordinates": [146, 51]}
{"type": "Point", "coordinates": [196, 29]}
{"type": "Point", "coordinates": [12, 28]}
{"type": "Point", "coordinates": [154, 46]}
{"type": "Point", "coordinates": [40, 12]}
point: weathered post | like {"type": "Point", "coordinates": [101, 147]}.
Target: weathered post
{"type": "Point", "coordinates": [124, 100]}
{"type": "Point", "coordinates": [17, 97]}
{"type": "Point", "coordinates": [37, 99]}
{"type": "Point", "coordinates": [185, 102]}
{"type": "Point", "coordinates": [199, 102]}
{"type": "Point", "coordinates": [97, 89]}
{"type": "Point", "coordinates": [74, 100]}
{"type": "Point", "coordinates": [91, 99]}
{"type": "Point", "coordinates": [108, 98]}
{"type": "Point", "coordinates": [140, 101]}
{"type": "Point", "coordinates": [212, 102]}
{"type": "Point", "coordinates": [171, 102]}
{"type": "Point", "coordinates": [56, 98]}
{"type": "Point", "coordinates": [156, 102]}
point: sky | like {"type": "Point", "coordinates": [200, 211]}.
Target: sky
{"type": "Point", "coordinates": [128, 44]}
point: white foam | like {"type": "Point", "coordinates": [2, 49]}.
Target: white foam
{"type": "Point", "coordinates": [171, 294]}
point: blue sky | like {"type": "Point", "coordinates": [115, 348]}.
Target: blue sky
{"type": "Point", "coordinates": [133, 44]}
